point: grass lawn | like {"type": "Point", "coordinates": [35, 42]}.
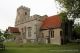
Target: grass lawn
{"type": "Point", "coordinates": [41, 48]}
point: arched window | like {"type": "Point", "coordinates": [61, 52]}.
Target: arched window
{"type": "Point", "coordinates": [25, 13]}
{"type": "Point", "coordinates": [52, 34]}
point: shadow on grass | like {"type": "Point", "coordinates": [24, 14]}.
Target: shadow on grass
{"type": "Point", "coordinates": [3, 51]}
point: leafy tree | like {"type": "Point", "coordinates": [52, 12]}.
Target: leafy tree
{"type": "Point", "coordinates": [63, 16]}
{"type": "Point", "coordinates": [7, 35]}
{"type": "Point", "coordinates": [77, 31]}
{"type": "Point", "coordinates": [72, 7]}
{"type": "Point", "coordinates": [1, 33]}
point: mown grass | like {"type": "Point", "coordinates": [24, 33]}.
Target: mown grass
{"type": "Point", "coordinates": [12, 47]}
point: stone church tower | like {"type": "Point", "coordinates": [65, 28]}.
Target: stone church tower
{"type": "Point", "coordinates": [28, 26]}
{"type": "Point", "coordinates": [23, 13]}
{"type": "Point", "coordinates": [38, 29]}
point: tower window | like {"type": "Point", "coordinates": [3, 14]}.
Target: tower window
{"type": "Point", "coordinates": [25, 13]}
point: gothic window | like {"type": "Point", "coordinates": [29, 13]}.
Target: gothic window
{"type": "Point", "coordinates": [29, 31]}
{"type": "Point", "coordinates": [52, 34]}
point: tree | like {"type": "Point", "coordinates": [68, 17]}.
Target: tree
{"type": "Point", "coordinates": [72, 7]}
{"type": "Point", "coordinates": [63, 16]}
{"type": "Point", "coordinates": [76, 30]}
{"type": "Point", "coordinates": [1, 33]}
{"type": "Point", "coordinates": [7, 35]}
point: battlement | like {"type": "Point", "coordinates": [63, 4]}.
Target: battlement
{"type": "Point", "coordinates": [24, 8]}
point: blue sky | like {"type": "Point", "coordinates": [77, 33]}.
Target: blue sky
{"type": "Point", "coordinates": [8, 9]}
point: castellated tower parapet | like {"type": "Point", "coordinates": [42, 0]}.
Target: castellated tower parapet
{"type": "Point", "coordinates": [23, 13]}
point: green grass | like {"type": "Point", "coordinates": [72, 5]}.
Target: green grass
{"type": "Point", "coordinates": [12, 47]}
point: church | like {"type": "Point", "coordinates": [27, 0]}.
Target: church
{"type": "Point", "coordinates": [36, 28]}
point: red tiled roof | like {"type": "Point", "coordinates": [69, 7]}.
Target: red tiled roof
{"type": "Point", "coordinates": [13, 29]}
{"type": "Point", "coordinates": [51, 22]}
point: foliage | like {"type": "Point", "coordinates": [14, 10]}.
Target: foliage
{"type": "Point", "coordinates": [72, 7]}
{"type": "Point", "coordinates": [7, 36]}
{"type": "Point", "coordinates": [63, 16]}
{"type": "Point", "coordinates": [77, 31]}
{"type": "Point", "coordinates": [1, 33]}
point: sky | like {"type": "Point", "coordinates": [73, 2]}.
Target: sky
{"type": "Point", "coordinates": [8, 10]}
